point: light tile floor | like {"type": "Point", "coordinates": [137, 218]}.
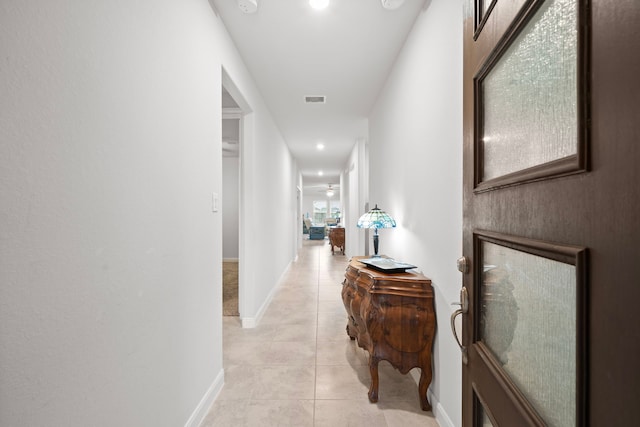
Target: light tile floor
{"type": "Point", "coordinates": [299, 368]}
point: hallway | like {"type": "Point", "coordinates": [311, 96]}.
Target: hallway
{"type": "Point", "coordinates": [299, 367]}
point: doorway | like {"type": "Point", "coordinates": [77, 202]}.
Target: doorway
{"type": "Point", "coordinates": [233, 147]}
{"type": "Point", "coordinates": [231, 206]}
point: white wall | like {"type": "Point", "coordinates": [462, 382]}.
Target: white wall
{"type": "Point", "coordinates": [416, 174]}
{"type": "Point", "coordinates": [268, 184]}
{"type": "Point", "coordinates": [110, 255]}
{"type": "Point", "coordinates": [230, 208]}
{"type": "Point", "coordinates": [354, 194]}
{"type": "Point", "coordinates": [300, 211]}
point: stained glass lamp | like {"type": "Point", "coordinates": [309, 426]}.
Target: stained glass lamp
{"type": "Point", "coordinates": [375, 219]}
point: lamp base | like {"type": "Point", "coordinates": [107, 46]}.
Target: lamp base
{"type": "Point", "coordinates": [375, 244]}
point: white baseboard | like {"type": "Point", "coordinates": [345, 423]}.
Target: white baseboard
{"type": "Point", "coordinates": [436, 407]}
{"type": "Point", "coordinates": [248, 322]}
{"type": "Point", "coordinates": [252, 322]}
{"type": "Point", "coordinates": [207, 400]}
{"type": "Point", "coordinates": [441, 415]}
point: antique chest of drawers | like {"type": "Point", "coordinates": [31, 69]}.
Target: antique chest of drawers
{"type": "Point", "coordinates": [336, 238]}
{"type": "Point", "coordinates": [391, 315]}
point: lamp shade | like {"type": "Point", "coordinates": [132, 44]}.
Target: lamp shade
{"type": "Point", "coordinates": [376, 218]}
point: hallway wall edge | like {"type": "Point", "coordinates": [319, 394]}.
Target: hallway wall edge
{"type": "Point", "coordinates": [201, 411]}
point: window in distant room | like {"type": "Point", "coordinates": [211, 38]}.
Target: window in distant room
{"type": "Point", "coordinates": [319, 211]}
{"type": "Point", "coordinates": [334, 209]}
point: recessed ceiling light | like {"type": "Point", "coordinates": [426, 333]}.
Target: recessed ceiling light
{"type": "Point", "coordinates": [320, 146]}
{"type": "Point", "coordinates": [319, 4]}
{"type": "Point", "coordinates": [248, 6]}
{"type": "Point", "coordinates": [320, 173]}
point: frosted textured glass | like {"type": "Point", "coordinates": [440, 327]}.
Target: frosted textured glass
{"type": "Point", "coordinates": [485, 6]}
{"type": "Point", "coordinates": [528, 320]}
{"type": "Point", "coordinates": [486, 422]}
{"type": "Point", "coordinates": [530, 95]}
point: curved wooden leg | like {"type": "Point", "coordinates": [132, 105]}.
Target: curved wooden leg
{"type": "Point", "coordinates": [351, 334]}
{"type": "Point", "coordinates": [373, 370]}
{"type": "Point", "coordinates": [425, 380]}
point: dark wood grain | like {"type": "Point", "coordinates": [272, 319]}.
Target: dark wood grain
{"type": "Point", "coordinates": [598, 209]}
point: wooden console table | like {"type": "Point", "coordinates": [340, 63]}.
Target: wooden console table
{"type": "Point", "coordinates": [392, 317]}
{"type": "Point", "coordinates": [336, 238]}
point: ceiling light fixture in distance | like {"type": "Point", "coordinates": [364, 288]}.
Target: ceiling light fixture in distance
{"type": "Point", "coordinates": [320, 146]}
{"type": "Point", "coordinates": [319, 4]}
{"type": "Point", "coordinates": [330, 191]}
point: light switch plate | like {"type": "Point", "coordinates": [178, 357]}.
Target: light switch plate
{"type": "Point", "coordinates": [215, 202]}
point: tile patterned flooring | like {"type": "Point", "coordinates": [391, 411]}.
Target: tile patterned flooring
{"type": "Point", "coordinates": [299, 368]}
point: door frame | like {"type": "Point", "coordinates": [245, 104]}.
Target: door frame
{"type": "Point", "coordinates": [245, 140]}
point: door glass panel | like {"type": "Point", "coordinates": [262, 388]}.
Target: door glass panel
{"type": "Point", "coordinates": [485, 6]}
{"type": "Point", "coordinates": [528, 320]}
{"type": "Point", "coordinates": [529, 97]}
{"type": "Point", "coordinates": [484, 419]}
{"type": "Point", "coordinates": [482, 6]}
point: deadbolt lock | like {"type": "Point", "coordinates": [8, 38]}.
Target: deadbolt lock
{"type": "Point", "coordinates": [463, 265]}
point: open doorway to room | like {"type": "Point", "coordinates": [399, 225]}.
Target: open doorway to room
{"type": "Point", "coordinates": [239, 118]}
{"type": "Point", "coordinates": [321, 209]}
{"type": "Point", "coordinates": [231, 141]}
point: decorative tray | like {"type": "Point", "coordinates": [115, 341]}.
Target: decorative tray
{"type": "Point", "coordinates": [387, 265]}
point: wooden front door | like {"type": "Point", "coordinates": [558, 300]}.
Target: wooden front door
{"type": "Point", "coordinates": [551, 212]}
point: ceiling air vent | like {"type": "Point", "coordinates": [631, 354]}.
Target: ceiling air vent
{"type": "Point", "coordinates": [315, 99]}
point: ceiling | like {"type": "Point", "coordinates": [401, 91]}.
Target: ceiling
{"type": "Point", "coordinates": [343, 52]}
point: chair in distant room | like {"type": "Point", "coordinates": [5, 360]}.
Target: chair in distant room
{"type": "Point", "coordinates": [306, 226]}
{"type": "Point", "coordinates": [330, 222]}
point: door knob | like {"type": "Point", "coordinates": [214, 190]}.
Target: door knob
{"type": "Point", "coordinates": [463, 265]}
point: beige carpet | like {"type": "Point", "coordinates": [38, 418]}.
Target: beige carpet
{"type": "Point", "coordinates": [230, 288]}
